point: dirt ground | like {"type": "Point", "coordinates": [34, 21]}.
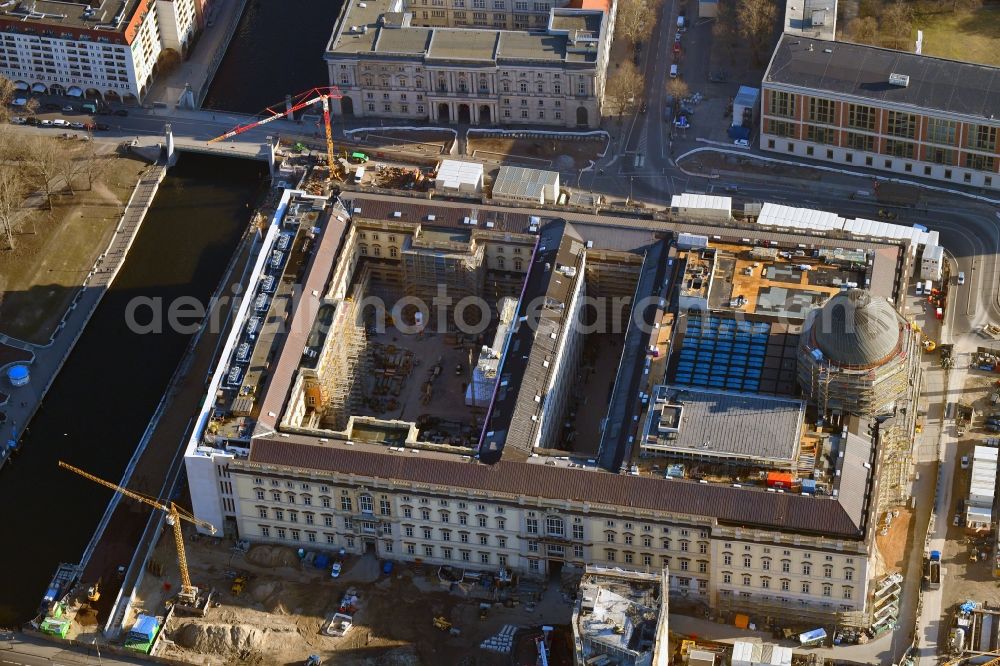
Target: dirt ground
{"type": "Point", "coordinates": [279, 617]}
{"type": "Point", "coordinates": [554, 154]}
{"type": "Point", "coordinates": [895, 544]}
{"type": "Point", "coordinates": [447, 400]}
{"type": "Point", "coordinates": [966, 579]}
{"type": "Point", "coordinates": [57, 248]}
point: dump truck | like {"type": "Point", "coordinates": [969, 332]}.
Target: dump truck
{"type": "Point", "coordinates": [932, 570]}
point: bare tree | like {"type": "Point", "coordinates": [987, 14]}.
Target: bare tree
{"type": "Point", "coordinates": [678, 88]}
{"type": "Point", "coordinates": [724, 30]}
{"type": "Point", "coordinates": [12, 192]}
{"type": "Point", "coordinates": [624, 88]}
{"type": "Point", "coordinates": [897, 25]}
{"type": "Point", "coordinates": [632, 20]}
{"type": "Point", "coordinates": [42, 161]}
{"type": "Point", "coordinates": [71, 166]}
{"type": "Point", "coordinates": [966, 5]}
{"type": "Point", "coordinates": [863, 30]}
{"type": "Point", "coordinates": [92, 165]}
{"type": "Point", "coordinates": [755, 19]}
{"type": "Point", "coordinates": [7, 93]}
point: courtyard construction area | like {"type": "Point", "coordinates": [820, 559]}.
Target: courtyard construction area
{"type": "Point", "coordinates": [539, 152]}
{"type": "Point", "coordinates": [273, 605]}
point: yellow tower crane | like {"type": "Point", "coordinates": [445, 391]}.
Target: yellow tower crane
{"type": "Point", "coordinates": [175, 514]}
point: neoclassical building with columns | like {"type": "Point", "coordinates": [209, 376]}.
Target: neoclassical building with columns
{"type": "Point", "coordinates": [448, 65]}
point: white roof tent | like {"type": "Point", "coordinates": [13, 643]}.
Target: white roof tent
{"type": "Point", "coordinates": [523, 184]}
{"type": "Point", "coordinates": [701, 201]}
{"type": "Point", "coordinates": [777, 215]}
{"type": "Point", "coordinates": [459, 176]}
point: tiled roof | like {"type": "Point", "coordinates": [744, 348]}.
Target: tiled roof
{"type": "Point", "coordinates": [418, 213]}
{"type": "Point", "coordinates": [731, 506]}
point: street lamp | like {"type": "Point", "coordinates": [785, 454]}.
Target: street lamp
{"type": "Point", "coordinates": [98, 648]}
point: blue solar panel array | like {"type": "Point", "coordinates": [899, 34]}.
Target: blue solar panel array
{"type": "Point", "coordinates": [722, 353]}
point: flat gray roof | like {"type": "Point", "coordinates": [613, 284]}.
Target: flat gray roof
{"type": "Point", "coordinates": [863, 71]}
{"type": "Point", "coordinates": [522, 182]}
{"type": "Point", "coordinates": [726, 424]}
{"type": "Point", "coordinates": [463, 44]}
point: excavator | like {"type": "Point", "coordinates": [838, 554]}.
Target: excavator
{"type": "Point", "coordinates": [175, 514]}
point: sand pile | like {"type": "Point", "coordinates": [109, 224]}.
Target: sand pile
{"type": "Point", "coordinates": [230, 639]}
{"type": "Point", "coordinates": [273, 556]}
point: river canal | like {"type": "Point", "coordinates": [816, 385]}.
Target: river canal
{"type": "Point", "coordinates": [277, 50]}
{"type": "Point", "coordinates": [100, 403]}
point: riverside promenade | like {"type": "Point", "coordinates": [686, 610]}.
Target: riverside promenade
{"type": "Point", "coordinates": [48, 359]}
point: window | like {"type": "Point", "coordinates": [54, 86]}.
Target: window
{"type": "Point", "coordinates": [765, 583]}
{"type": "Point", "coordinates": [727, 559]}
{"type": "Point", "coordinates": [408, 530]}
{"type": "Point", "coordinates": [345, 504]}
{"type": "Point", "coordinates": [827, 590]}
{"type": "Point", "coordinates": [746, 581]}
{"type": "Point", "coordinates": [532, 546]}
{"type": "Point", "coordinates": [446, 535]}
{"type": "Point", "coordinates": [628, 558]}
{"type": "Point", "coordinates": [484, 558]}
{"type": "Point", "coordinates": [262, 512]}
{"type": "Point", "coordinates": [860, 141]}
{"type": "Point", "coordinates": [941, 131]}
{"type": "Point", "coordinates": [981, 137]}
{"type": "Point", "coordinates": [279, 514]}
{"type": "Point", "coordinates": [848, 592]}
{"type": "Point", "coordinates": [484, 540]}
{"type": "Point", "coordinates": [980, 162]}
{"type": "Point", "coordinates": [785, 583]}
{"type": "Point", "coordinates": [425, 514]}
{"type": "Point", "coordinates": [782, 104]}
{"type": "Point", "coordinates": [463, 537]}
{"type": "Point", "coordinates": [684, 565]}
{"type": "Point", "coordinates": [628, 540]}
{"type": "Point", "coordinates": [501, 523]}
{"type": "Point", "coordinates": [821, 134]}
{"type": "Point", "coordinates": [861, 117]}
{"type": "Point", "coordinates": [481, 520]}
{"type": "Point", "coordinates": [463, 519]}
{"type": "Point", "coordinates": [429, 551]}
{"type": "Point", "coordinates": [328, 521]}
{"type": "Point", "coordinates": [939, 155]}
{"type": "Point", "coordinates": [275, 495]}
{"type": "Point", "coordinates": [900, 148]}
{"type": "Point", "coordinates": [578, 552]}
{"type": "Point", "coordinates": [578, 532]}
{"type": "Point", "coordinates": [805, 588]}
{"type": "Point", "coordinates": [848, 574]}
{"type": "Point", "coordinates": [280, 532]}
{"type": "Point", "coordinates": [747, 561]}
{"type": "Point", "coordinates": [531, 524]}
{"type": "Point", "coordinates": [827, 571]}
{"type": "Point", "coordinates": [611, 537]}
{"type": "Point", "coordinates": [786, 566]}
{"type": "Point", "coordinates": [806, 569]}
{"type": "Point", "coordinates": [727, 578]}
{"type": "Point", "coordinates": [265, 531]}
{"type": "Point", "coordinates": [780, 127]}
{"type": "Point", "coordinates": [367, 506]}
{"type": "Point", "coordinates": [428, 534]}
{"type": "Point", "coordinates": [902, 124]}
{"type": "Point", "coordinates": [822, 110]}
{"type": "Point", "coordinates": [411, 549]}
{"type": "Point", "coordinates": [554, 526]}
{"type": "Point", "coordinates": [445, 517]}
{"type": "Point", "coordinates": [609, 555]}
{"type": "Point", "coordinates": [260, 494]}
{"type": "Point", "coordinates": [407, 512]}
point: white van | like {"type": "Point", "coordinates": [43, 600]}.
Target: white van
{"type": "Point", "coordinates": [680, 23]}
{"type": "Point", "coordinates": [927, 287]}
{"type": "Point", "coordinates": [673, 71]}
{"type": "Point", "coordinates": [359, 175]}
{"type": "Point", "coordinates": [920, 288]}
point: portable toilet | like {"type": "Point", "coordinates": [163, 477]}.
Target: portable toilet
{"type": "Point", "coordinates": [18, 375]}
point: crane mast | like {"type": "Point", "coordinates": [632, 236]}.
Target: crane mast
{"type": "Point", "coordinates": [321, 96]}
{"type": "Point", "coordinates": [175, 514]}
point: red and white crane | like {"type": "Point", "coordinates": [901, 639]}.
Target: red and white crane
{"type": "Point", "coordinates": [320, 96]}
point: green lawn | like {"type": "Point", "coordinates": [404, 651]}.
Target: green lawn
{"type": "Point", "coordinates": [973, 36]}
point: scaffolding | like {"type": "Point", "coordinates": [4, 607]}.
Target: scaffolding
{"type": "Point", "coordinates": [776, 611]}
{"type": "Point", "coordinates": [338, 386]}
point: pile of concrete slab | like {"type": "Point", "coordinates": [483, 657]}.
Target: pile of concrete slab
{"type": "Point", "coordinates": [501, 642]}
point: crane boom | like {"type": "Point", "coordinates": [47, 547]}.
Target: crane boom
{"type": "Point", "coordinates": [175, 514]}
{"type": "Point", "coordinates": [320, 96]}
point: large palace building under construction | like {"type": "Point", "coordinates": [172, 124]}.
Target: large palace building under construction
{"type": "Point", "coordinates": [499, 388]}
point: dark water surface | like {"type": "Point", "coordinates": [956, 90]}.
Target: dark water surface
{"type": "Point", "coordinates": [277, 50]}
{"type": "Point", "coordinates": [101, 402]}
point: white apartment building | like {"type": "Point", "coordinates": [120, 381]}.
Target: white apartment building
{"type": "Point", "coordinates": [104, 52]}
{"type": "Point", "coordinates": [390, 61]}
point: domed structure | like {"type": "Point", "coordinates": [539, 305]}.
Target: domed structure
{"type": "Point", "coordinates": [857, 355]}
{"type": "Point", "coordinates": [854, 329]}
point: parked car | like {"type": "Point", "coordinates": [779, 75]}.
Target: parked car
{"type": "Point", "coordinates": [742, 143]}
{"type": "Point", "coordinates": [335, 571]}
{"type": "Point", "coordinates": [121, 112]}
{"type": "Point", "coordinates": [677, 37]}
{"type": "Point", "coordinates": [961, 277]}
{"type": "Point", "coordinates": [19, 120]}
{"type": "Point", "coordinates": [45, 123]}
{"type": "Point", "coordinates": [673, 71]}
{"type": "Point", "coordinates": [59, 122]}
{"type": "Point", "coordinates": [78, 126]}
{"type": "Point", "coordinates": [69, 108]}
{"type": "Point", "coordinates": [965, 462]}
